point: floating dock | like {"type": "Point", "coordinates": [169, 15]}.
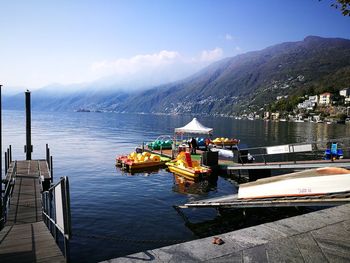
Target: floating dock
{"type": "Point", "coordinates": [25, 237]}
{"type": "Point", "coordinates": [321, 236]}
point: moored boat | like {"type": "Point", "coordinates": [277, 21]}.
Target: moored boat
{"type": "Point", "coordinates": [162, 142]}
{"type": "Point", "coordinates": [309, 182]}
{"type": "Point", "coordinates": [225, 141]}
{"type": "Point", "coordinates": [183, 165]}
{"type": "Point", "coordinates": [140, 161]}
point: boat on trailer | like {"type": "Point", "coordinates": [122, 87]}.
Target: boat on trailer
{"type": "Point", "coordinates": [305, 183]}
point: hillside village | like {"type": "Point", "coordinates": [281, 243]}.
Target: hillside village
{"type": "Point", "coordinates": [325, 107]}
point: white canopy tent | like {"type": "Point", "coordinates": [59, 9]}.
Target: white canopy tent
{"type": "Point", "coordinates": [194, 127]}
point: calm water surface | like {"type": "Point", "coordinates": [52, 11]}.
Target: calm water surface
{"type": "Point", "coordinates": [115, 213]}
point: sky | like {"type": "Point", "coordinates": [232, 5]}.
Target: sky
{"type": "Point", "coordinates": [145, 42]}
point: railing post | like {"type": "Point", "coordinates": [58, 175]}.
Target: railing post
{"type": "Point", "coordinates": [263, 155]}
{"type": "Point", "coordinates": [67, 217]}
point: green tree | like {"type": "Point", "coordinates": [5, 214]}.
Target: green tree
{"type": "Point", "coordinates": [343, 5]}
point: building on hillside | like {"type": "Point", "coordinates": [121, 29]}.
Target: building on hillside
{"type": "Point", "coordinates": [313, 99]}
{"type": "Point", "coordinates": [345, 92]}
{"type": "Point", "coordinates": [266, 115]}
{"type": "Point", "coordinates": [281, 97]}
{"type": "Point", "coordinates": [275, 116]}
{"type": "Point", "coordinates": [309, 104]}
{"type": "Point", "coordinates": [325, 99]}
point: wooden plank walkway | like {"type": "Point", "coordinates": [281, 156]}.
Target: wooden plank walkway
{"type": "Point", "coordinates": [321, 236]}
{"type": "Point", "coordinates": [25, 237]}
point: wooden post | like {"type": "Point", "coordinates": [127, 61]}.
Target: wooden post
{"type": "Point", "coordinates": [28, 148]}
{"type": "Point", "coordinates": [10, 148]}
{"type": "Point", "coordinates": [6, 163]}
{"type": "Point", "coordinates": [8, 158]}
{"type": "Point", "coordinates": [51, 168]}
{"type": "Point", "coordinates": [48, 156]}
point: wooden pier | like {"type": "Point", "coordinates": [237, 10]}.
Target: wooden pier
{"type": "Point", "coordinates": [25, 237]}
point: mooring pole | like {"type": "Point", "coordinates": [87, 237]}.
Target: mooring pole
{"type": "Point", "coordinates": [28, 148]}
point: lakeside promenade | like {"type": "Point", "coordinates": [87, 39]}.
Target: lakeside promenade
{"type": "Point", "coordinates": [321, 236]}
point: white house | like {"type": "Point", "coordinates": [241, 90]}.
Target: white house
{"type": "Point", "coordinates": [309, 104]}
{"type": "Point", "coordinates": [325, 99]}
{"type": "Point", "coordinates": [313, 99]}
{"type": "Point", "coordinates": [345, 92]}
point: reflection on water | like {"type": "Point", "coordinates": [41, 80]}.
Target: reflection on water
{"type": "Point", "coordinates": [226, 220]}
{"type": "Point", "coordinates": [110, 207]}
{"type": "Point", "coordinates": [141, 172]}
{"type": "Point", "coordinates": [186, 186]}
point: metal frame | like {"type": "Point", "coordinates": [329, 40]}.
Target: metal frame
{"type": "Point", "coordinates": [50, 216]}
{"type": "Point", "coordinates": [6, 200]}
{"type": "Point", "coordinates": [315, 153]}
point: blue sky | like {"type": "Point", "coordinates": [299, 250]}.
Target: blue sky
{"type": "Point", "coordinates": [147, 41]}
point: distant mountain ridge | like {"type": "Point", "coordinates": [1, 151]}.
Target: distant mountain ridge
{"type": "Point", "coordinates": [244, 82]}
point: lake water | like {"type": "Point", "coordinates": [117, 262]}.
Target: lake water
{"type": "Point", "coordinates": [115, 213]}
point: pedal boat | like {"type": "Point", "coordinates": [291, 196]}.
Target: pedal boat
{"type": "Point", "coordinates": [183, 165]}
{"type": "Point", "coordinates": [319, 181]}
{"type": "Point", "coordinates": [225, 142]}
{"type": "Point", "coordinates": [138, 161]}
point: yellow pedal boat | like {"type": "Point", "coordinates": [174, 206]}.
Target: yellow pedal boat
{"type": "Point", "coordinates": [183, 165]}
{"type": "Point", "coordinates": [138, 161]}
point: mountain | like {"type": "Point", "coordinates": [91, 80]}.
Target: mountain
{"type": "Point", "coordinates": [251, 80]}
{"type": "Point", "coordinates": [244, 82]}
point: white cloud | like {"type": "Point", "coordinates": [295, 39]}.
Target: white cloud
{"type": "Point", "coordinates": [151, 69]}
{"type": "Point", "coordinates": [125, 66]}
{"type": "Point", "coordinates": [238, 49]}
{"type": "Point", "coordinates": [211, 55]}
{"type": "Point", "coordinates": [228, 37]}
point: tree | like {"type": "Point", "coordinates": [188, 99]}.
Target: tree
{"type": "Point", "coordinates": [343, 5]}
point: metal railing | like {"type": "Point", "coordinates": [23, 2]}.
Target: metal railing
{"type": "Point", "coordinates": [10, 183]}
{"type": "Point", "coordinates": [56, 213]}
{"type": "Point", "coordinates": [290, 152]}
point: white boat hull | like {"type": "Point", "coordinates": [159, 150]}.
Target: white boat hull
{"type": "Point", "coordinates": [310, 182]}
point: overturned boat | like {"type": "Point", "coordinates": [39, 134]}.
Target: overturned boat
{"type": "Point", "coordinates": [309, 182]}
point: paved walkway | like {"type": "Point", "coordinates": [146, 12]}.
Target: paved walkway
{"type": "Point", "coordinates": [321, 236]}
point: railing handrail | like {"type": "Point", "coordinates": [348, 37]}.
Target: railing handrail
{"type": "Point", "coordinates": [8, 192]}
{"type": "Point", "coordinates": [58, 220]}
{"type": "Point", "coordinates": [299, 143]}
